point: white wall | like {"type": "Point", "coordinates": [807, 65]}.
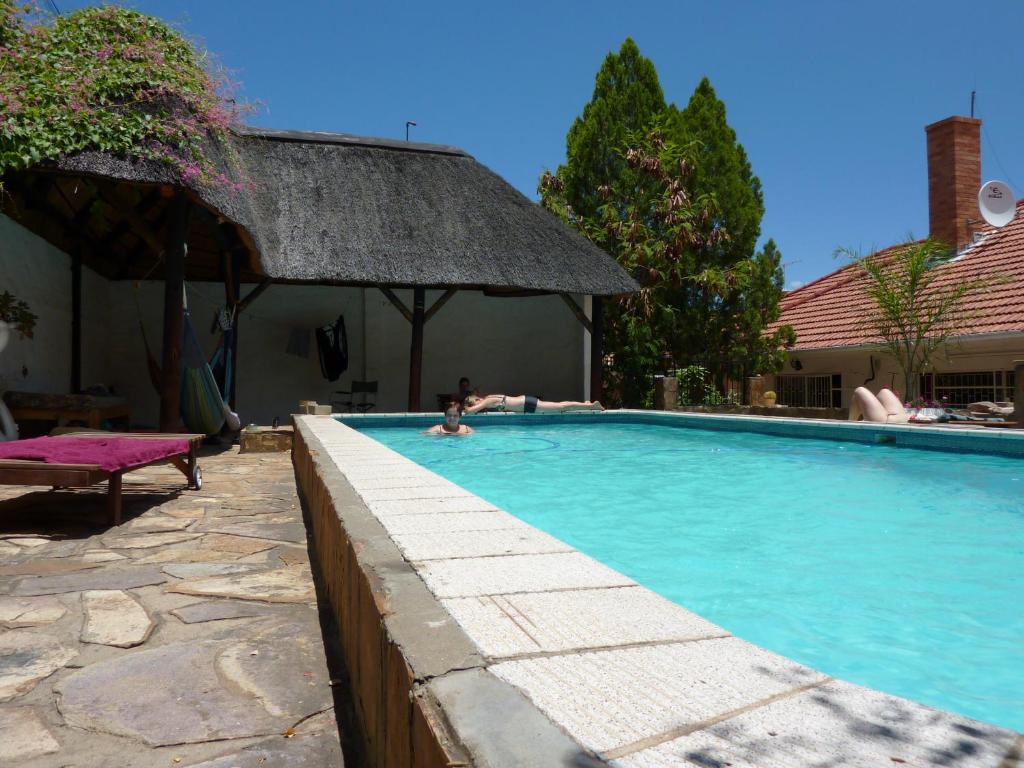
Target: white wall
{"type": "Point", "coordinates": [515, 345]}
{"type": "Point", "coordinates": [39, 274]}
{"type": "Point", "coordinates": [972, 354]}
{"type": "Point", "coordinates": [519, 345]}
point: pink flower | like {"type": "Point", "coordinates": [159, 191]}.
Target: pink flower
{"type": "Point", "coordinates": [190, 171]}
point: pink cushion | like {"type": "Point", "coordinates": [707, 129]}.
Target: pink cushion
{"type": "Point", "coordinates": [112, 454]}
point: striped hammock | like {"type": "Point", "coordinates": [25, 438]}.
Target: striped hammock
{"type": "Point", "coordinates": [202, 407]}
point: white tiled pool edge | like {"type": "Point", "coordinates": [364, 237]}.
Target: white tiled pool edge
{"type": "Point", "coordinates": [631, 677]}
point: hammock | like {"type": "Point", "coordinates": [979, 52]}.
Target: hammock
{"type": "Point", "coordinates": [202, 407]}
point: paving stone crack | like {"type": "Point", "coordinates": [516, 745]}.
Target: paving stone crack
{"type": "Point", "coordinates": [421, 681]}
{"type": "Point", "coordinates": [685, 730]}
{"type": "Point", "coordinates": [615, 647]}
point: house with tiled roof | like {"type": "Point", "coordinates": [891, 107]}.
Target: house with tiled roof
{"type": "Point", "coordinates": [836, 351]}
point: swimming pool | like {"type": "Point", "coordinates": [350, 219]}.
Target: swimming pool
{"type": "Point", "coordinates": [895, 568]}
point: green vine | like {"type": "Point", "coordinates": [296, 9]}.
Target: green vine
{"type": "Point", "coordinates": [113, 80]}
{"type": "Point", "coordinates": [17, 313]}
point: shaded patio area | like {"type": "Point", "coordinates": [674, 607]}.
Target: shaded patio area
{"type": "Point", "coordinates": [190, 635]}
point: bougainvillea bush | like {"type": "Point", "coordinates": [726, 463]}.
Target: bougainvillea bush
{"type": "Point", "coordinates": [108, 79]}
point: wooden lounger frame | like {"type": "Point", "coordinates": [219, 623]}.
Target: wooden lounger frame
{"type": "Point", "coordinates": [22, 472]}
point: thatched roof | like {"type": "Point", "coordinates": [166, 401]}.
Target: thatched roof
{"type": "Point", "coordinates": [334, 208]}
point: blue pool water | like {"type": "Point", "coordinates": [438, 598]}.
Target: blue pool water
{"type": "Point", "coordinates": [895, 568]}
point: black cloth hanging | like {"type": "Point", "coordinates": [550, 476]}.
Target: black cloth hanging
{"type": "Point", "coordinates": [332, 343]}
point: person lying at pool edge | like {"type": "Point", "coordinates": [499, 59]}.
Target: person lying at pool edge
{"type": "Point", "coordinates": [527, 404]}
{"type": "Point", "coordinates": [451, 424]}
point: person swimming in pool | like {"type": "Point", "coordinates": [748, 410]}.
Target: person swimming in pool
{"type": "Point", "coordinates": [451, 425]}
{"type": "Point", "coordinates": [527, 404]}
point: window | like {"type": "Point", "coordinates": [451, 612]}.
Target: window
{"type": "Point", "coordinates": [960, 389]}
{"type": "Point", "coordinates": [808, 391]}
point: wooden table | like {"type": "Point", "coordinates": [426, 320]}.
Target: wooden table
{"type": "Point", "coordinates": [90, 410]}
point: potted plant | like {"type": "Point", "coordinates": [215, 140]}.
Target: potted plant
{"type": "Point", "coordinates": [14, 316]}
{"type": "Point", "coordinates": [768, 398]}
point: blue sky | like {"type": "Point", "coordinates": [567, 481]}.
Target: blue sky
{"type": "Point", "coordinates": [830, 99]}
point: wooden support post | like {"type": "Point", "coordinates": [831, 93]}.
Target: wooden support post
{"type": "Point", "coordinates": [578, 311]}
{"type": "Point", "coordinates": [76, 322]}
{"type": "Point", "coordinates": [443, 299]}
{"type": "Point", "coordinates": [396, 303]}
{"type": "Point", "coordinates": [174, 283]}
{"type": "Point", "coordinates": [416, 349]}
{"type": "Point", "coordinates": [254, 294]}
{"type": "Point", "coordinates": [596, 349]}
{"type": "Point", "coordinates": [237, 262]}
{"type": "Point", "coordinates": [114, 499]}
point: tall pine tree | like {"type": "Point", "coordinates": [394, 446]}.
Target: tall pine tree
{"type": "Point", "coordinates": [737, 285]}
{"type": "Point", "coordinates": [627, 97]}
{"type": "Point", "coordinates": [721, 168]}
{"type": "Point", "coordinates": [671, 194]}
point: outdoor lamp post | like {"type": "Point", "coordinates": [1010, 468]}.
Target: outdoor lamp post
{"type": "Point", "coordinates": [407, 124]}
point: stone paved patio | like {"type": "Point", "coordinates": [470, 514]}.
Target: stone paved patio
{"type": "Point", "coordinates": [188, 636]}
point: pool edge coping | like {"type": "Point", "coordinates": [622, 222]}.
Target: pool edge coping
{"type": "Point", "coordinates": [305, 427]}
{"type": "Point", "coordinates": [444, 685]}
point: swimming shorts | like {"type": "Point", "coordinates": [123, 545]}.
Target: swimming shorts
{"type": "Point", "coordinates": [530, 404]}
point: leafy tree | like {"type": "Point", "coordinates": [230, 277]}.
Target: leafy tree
{"type": "Point", "coordinates": [651, 223]}
{"type": "Point", "coordinates": [662, 190]}
{"type": "Point", "coordinates": [721, 168]}
{"type": "Point", "coordinates": [627, 97]}
{"type": "Point", "coordinates": [736, 291]}
{"type": "Point", "coordinates": [740, 303]}
{"type": "Point", "coordinates": [915, 310]}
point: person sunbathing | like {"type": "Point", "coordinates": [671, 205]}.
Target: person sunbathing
{"type": "Point", "coordinates": [885, 408]}
{"type": "Point", "coordinates": [527, 404]}
{"type": "Point", "coordinates": [451, 424]}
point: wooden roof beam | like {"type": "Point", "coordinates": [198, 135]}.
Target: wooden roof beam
{"type": "Point", "coordinates": [578, 311]}
{"type": "Point", "coordinates": [140, 225]}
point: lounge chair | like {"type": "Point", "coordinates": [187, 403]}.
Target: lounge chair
{"type": "Point", "coordinates": [81, 459]}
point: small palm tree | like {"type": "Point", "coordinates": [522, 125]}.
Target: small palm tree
{"type": "Point", "coordinates": [918, 307]}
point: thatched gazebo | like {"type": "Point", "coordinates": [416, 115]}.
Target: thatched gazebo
{"type": "Point", "coordinates": [316, 208]}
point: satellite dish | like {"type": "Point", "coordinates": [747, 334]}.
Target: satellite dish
{"type": "Point", "coordinates": [997, 204]}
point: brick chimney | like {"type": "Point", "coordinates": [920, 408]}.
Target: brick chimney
{"type": "Point", "coordinates": [954, 178]}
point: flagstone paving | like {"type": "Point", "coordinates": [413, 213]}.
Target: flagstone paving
{"type": "Point", "coordinates": [188, 636]}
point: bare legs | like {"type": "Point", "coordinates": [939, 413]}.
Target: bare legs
{"type": "Point", "coordinates": [567, 406]}
{"type": "Point", "coordinates": [886, 408]}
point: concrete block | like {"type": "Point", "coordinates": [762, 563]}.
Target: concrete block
{"type": "Point", "coordinates": [434, 490]}
{"type": "Point", "coordinates": [266, 440]}
{"type": "Point", "coordinates": [836, 724]}
{"type": "Point", "coordinates": [453, 544]}
{"type": "Point", "coordinates": [536, 622]}
{"type": "Point", "coordinates": [610, 699]}
{"type": "Point", "coordinates": [499, 725]}
{"type": "Point", "coordinates": [384, 509]}
{"type": "Point", "coordinates": [517, 573]}
{"type": "Point", "coordinates": [451, 522]}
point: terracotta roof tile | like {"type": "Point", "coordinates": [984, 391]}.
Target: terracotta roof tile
{"type": "Point", "coordinates": [831, 311]}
